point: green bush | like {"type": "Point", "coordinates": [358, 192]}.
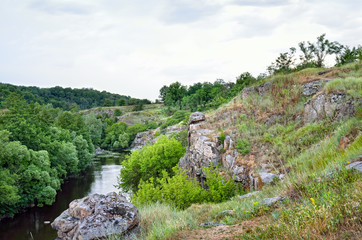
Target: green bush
{"type": "Point", "coordinates": [181, 137]}
{"type": "Point", "coordinates": [177, 117]}
{"type": "Point", "coordinates": [222, 137]}
{"type": "Point", "coordinates": [243, 146]}
{"type": "Point", "coordinates": [180, 192]}
{"type": "Point", "coordinates": [149, 162]}
{"type": "Point", "coordinates": [117, 112]}
{"type": "Point", "coordinates": [176, 191]}
{"type": "Point", "coordinates": [218, 188]}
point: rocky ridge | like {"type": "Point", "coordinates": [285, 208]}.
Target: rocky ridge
{"type": "Point", "coordinates": [205, 149]}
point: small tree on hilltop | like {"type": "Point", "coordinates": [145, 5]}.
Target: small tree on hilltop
{"type": "Point", "coordinates": [322, 48]}
{"type": "Point", "coordinates": [284, 63]}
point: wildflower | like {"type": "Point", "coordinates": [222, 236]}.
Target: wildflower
{"type": "Point", "coordinates": [347, 162]}
{"type": "Point", "coordinates": [255, 203]}
{"type": "Point", "coordinates": [313, 201]}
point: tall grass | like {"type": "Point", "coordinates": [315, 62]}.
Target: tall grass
{"type": "Point", "coordinates": [351, 85]}
{"type": "Point", "coordinates": [160, 221]}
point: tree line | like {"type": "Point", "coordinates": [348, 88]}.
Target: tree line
{"type": "Point", "coordinates": [313, 55]}
{"type": "Point", "coordinates": [206, 95]}
{"type": "Point", "coordinates": [68, 98]}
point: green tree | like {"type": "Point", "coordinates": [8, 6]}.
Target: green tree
{"type": "Point", "coordinates": [150, 162]}
{"type": "Point", "coordinates": [174, 94]}
{"type": "Point", "coordinates": [121, 102]}
{"type": "Point", "coordinates": [284, 63]}
{"type": "Point", "coordinates": [324, 47]}
{"type": "Point", "coordinates": [117, 112]}
{"type": "Point", "coordinates": [349, 55]}
{"type": "Point", "coordinates": [83, 154]}
{"type": "Point", "coordinates": [123, 140]}
{"type": "Point", "coordinates": [108, 102]}
{"type": "Point", "coordinates": [94, 126]}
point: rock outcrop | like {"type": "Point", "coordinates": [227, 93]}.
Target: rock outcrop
{"type": "Point", "coordinates": [143, 138]}
{"type": "Point", "coordinates": [204, 150]}
{"type": "Point", "coordinates": [97, 216]}
{"type": "Point", "coordinates": [336, 106]}
{"type": "Point", "coordinates": [149, 137]}
{"type": "Point", "coordinates": [201, 150]}
{"type": "Point", "coordinates": [356, 165]}
{"type": "Point", "coordinates": [271, 201]}
{"type": "Point", "coordinates": [261, 90]}
{"type": "Point", "coordinates": [313, 87]}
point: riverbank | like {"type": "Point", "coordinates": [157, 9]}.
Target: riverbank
{"type": "Point", "coordinates": [100, 178]}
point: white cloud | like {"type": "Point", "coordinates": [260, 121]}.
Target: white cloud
{"type": "Point", "coordinates": [135, 47]}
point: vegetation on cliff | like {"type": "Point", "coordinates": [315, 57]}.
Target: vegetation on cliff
{"type": "Point", "coordinates": [321, 196]}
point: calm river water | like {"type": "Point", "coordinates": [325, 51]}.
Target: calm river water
{"type": "Point", "coordinates": [100, 178]}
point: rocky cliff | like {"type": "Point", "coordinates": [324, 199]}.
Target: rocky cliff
{"type": "Point", "coordinates": [205, 149]}
{"type": "Point", "coordinates": [261, 165]}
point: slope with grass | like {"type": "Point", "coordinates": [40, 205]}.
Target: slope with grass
{"type": "Point", "coordinates": [267, 131]}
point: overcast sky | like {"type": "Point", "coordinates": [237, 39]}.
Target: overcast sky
{"type": "Point", "coordinates": [134, 47]}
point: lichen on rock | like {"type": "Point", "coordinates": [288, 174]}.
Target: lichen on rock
{"type": "Point", "coordinates": [97, 216]}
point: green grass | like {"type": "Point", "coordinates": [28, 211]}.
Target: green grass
{"type": "Point", "coordinates": [351, 85]}
{"type": "Point", "coordinates": [160, 221]}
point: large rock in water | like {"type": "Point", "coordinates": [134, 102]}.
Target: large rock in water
{"type": "Point", "coordinates": [96, 216]}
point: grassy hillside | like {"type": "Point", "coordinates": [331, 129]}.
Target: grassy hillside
{"type": "Point", "coordinates": [126, 114]}
{"type": "Point", "coordinates": [321, 198]}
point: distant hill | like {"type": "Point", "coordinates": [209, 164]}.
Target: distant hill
{"type": "Point", "coordinates": [68, 98]}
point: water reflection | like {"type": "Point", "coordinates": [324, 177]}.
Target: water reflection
{"type": "Point", "coordinates": [101, 178]}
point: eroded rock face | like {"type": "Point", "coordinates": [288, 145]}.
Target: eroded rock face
{"type": "Point", "coordinates": [148, 137]}
{"type": "Point", "coordinates": [197, 117]}
{"type": "Point", "coordinates": [142, 139]}
{"type": "Point", "coordinates": [313, 87]}
{"type": "Point", "coordinates": [261, 90]}
{"type": "Point", "coordinates": [334, 105]}
{"type": "Point", "coordinates": [96, 216]}
{"type": "Point", "coordinates": [201, 150]}
{"type": "Point", "coordinates": [204, 150]}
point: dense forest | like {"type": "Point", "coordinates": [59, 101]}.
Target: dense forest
{"type": "Point", "coordinates": [68, 98]}
{"type": "Point", "coordinates": [40, 146]}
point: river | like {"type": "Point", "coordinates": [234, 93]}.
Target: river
{"type": "Point", "coordinates": [100, 178]}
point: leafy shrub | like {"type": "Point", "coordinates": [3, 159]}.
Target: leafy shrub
{"type": "Point", "coordinates": [222, 137]}
{"type": "Point", "coordinates": [180, 192]}
{"type": "Point", "coordinates": [117, 112]}
{"type": "Point", "coordinates": [218, 188]}
{"type": "Point", "coordinates": [151, 125]}
{"type": "Point", "coordinates": [243, 146]}
{"type": "Point", "coordinates": [176, 191]}
{"type": "Point", "coordinates": [149, 162]}
{"type": "Point", "coordinates": [181, 137]}
{"type": "Point", "coordinates": [134, 129]}
{"type": "Point", "coordinates": [177, 117]}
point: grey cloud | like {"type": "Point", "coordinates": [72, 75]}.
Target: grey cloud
{"type": "Point", "coordinates": [261, 3]}
{"type": "Point", "coordinates": [60, 8]}
{"type": "Point", "coordinates": [186, 12]}
{"type": "Point", "coordinates": [254, 25]}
